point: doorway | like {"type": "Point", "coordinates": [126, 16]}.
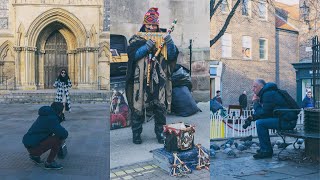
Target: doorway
{"type": "Point", "coordinates": [55, 58]}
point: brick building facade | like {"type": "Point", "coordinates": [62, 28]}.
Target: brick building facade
{"type": "Point", "coordinates": [246, 50]}
{"type": "Point", "coordinates": [287, 38]}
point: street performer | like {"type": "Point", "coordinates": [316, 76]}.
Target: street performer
{"type": "Point", "coordinates": [151, 90]}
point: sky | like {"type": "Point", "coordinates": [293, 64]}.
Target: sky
{"type": "Point", "coordinates": [289, 2]}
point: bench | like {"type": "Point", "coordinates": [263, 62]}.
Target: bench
{"type": "Point", "coordinates": [311, 139]}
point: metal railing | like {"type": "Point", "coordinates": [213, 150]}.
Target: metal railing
{"type": "Point", "coordinates": [316, 71]}
{"type": "Point", "coordinates": [223, 126]}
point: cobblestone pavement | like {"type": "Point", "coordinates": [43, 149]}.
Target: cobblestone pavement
{"type": "Point", "coordinates": [294, 166]}
{"type": "Point", "coordinates": [88, 143]}
{"type": "Point", "coordinates": [147, 170]}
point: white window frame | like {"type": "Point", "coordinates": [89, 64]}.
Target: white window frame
{"type": "Point", "coordinates": [246, 47]}
{"type": "Point", "coordinates": [248, 7]}
{"type": "Point", "coordinates": [225, 6]}
{"type": "Point", "coordinates": [265, 49]}
{"type": "Point", "coordinates": [226, 45]}
{"type": "Point", "coordinates": [265, 15]}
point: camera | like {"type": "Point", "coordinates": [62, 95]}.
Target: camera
{"type": "Point", "coordinates": [247, 122]}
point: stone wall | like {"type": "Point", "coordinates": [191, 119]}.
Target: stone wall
{"type": "Point", "coordinates": [288, 54]}
{"type": "Point", "coordinates": [83, 23]}
{"type": "Point", "coordinates": [106, 16]}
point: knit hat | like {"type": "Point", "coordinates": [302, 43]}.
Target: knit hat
{"type": "Point", "coordinates": [152, 16]}
{"type": "Point", "coordinates": [57, 107]}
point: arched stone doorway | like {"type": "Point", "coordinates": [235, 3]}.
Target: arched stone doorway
{"type": "Point", "coordinates": [55, 58]}
{"type": "Point", "coordinates": [78, 46]}
{"type": "Point", "coordinates": [53, 54]}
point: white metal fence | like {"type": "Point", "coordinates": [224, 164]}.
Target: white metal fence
{"type": "Point", "coordinates": [230, 125]}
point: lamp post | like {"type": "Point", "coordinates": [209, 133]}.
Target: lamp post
{"type": "Point", "coordinates": [305, 9]}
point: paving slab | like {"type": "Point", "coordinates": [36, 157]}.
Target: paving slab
{"type": "Point", "coordinates": [88, 143]}
{"type": "Point", "coordinates": [244, 166]}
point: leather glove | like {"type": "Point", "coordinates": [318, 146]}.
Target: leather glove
{"type": "Point", "coordinates": [150, 44]}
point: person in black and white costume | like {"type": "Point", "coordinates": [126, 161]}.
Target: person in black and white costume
{"type": "Point", "coordinates": [63, 83]}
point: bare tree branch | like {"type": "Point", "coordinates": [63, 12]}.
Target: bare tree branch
{"type": "Point", "coordinates": [225, 26]}
{"type": "Point", "coordinates": [214, 8]}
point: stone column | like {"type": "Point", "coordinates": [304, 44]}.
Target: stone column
{"type": "Point", "coordinates": [29, 72]}
{"type": "Point", "coordinates": [17, 66]}
{"type": "Point", "coordinates": [41, 68]}
{"type": "Point", "coordinates": [71, 66]}
{"type": "Point", "coordinates": [87, 66]}
{"type": "Point", "coordinates": [96, 66]}
{"type": "Point", "coordinates": [32, 58]}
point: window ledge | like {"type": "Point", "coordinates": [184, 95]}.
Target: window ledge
{"type": "Point", "coordinates": [265, 20]}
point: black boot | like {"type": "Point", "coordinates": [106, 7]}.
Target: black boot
{"type": "Point", "coordinates": [159, 134]}
{"type": "Point", "coordinates": [160, 139]}
{"type": "Point", "coordinates": [136, 138]}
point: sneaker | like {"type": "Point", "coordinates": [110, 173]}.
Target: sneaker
{"type": "Point", "coordinates": [53, 165]}
{"type": "Point", "coordinates": [263, 155]}
{"type": "Point", "coordinates": [35, 159]}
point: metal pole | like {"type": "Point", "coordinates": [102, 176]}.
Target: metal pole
{"type": "Point", "coordinates": [315, 71]}
{"type": "Point", "coordinates": [277, 60]}
{"type": "Point", "coordinates": [190, 48]}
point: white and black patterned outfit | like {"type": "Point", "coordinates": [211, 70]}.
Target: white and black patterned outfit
{"type": "Point", "coordinates": [62, 94]}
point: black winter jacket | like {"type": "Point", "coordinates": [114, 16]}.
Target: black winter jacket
{"type": "Point", "coordinates": [270, 100]}
{"type": "Point", "coordinates": [46, 125]}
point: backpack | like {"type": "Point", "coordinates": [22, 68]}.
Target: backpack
{"type": "Point", "coordinates": [290, 101]}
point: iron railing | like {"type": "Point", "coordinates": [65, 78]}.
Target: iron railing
{"type": "Point", "coordinates": [316, 71]}
{"type": "Point", "coordinates": [224, 126]}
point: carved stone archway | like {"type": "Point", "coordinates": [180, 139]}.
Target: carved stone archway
{"type": "Point", "coordinates": [82, 52]}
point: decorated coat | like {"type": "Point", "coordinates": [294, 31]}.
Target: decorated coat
{"type": "Point", "coordinates": [63, 88]}
{"type": "Point", "coordinates": [138, 94]}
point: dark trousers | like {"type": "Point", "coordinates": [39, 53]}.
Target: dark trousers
{"type": "Point", "coordinates": [159, 117]}
{"type": "Point", "coordinates": [52, 142]}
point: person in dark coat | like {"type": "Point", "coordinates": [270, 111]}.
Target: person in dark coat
{"type": "Point", "coordinates": [215, 106]}
{"type": "Point", "coordinates": [266, 99]}
{"type": "Point", "coordinates": [243, 101]}
{"type": "Point", "coordinates": [308, 101]}
{"type": "Point", "coordinates": [158, 94]}
{"type": "Point", "coordinates": [45, 134]}
{"type": "Point", "coordinates": [218, 97]}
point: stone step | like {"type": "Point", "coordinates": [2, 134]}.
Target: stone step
{"type": "Point", "coordinates": [48, 96]}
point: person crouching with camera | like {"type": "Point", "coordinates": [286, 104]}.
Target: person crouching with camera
{"type": "Point", "coordinates": [266, 99]}
{"type": "Point", "coordinates": [45, 134]}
